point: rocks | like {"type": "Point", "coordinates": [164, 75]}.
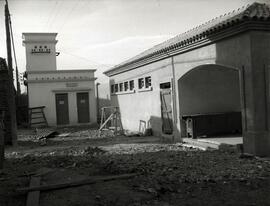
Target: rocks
{"type": "Point", "coordinates": [93, 151]}
{"type": "Point", "coordinates": [164, 171]}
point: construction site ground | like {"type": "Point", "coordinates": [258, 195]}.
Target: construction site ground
{"type": "Point", "coordinates": [166, 173]}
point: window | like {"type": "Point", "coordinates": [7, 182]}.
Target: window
{"type": "Point", "coordinates": [116, 88]}
{"type": "Point", "coordinates": [131, 84]}
{"type": "Point", "coordinates": [166, 85]}
{"type": "Point", "coordinates": [141, 83]}
{"type": "Point", "coordinates": [126, 86]}
{"type": "Point", "coordinates": [112, 88]}
{"type": "Point", "coordinates": [121, 87]}
{"type": "Point", "coordinates": [148, 82]}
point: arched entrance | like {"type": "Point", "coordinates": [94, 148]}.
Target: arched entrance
{"type": "Point", "coordinates": [209, 102]}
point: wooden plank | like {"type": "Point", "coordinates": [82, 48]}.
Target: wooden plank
{"type": "Point", "coordinates": [38, 122]}
{"type": "Point", "coordinates": [104, 124]}
{"type": "Point", "coordinates": [33, 196]}
{"type": "Point", "coordinates": [92, 180]}
{"type": "Point", "coordinates": [32, 108]}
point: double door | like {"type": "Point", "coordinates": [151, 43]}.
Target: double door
{"type": "Point", "coordinates": [62, 108]}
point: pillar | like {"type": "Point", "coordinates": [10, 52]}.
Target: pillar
{"type": "Point", "coordinates": [255, 97]}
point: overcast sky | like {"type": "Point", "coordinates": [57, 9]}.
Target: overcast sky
{"type": "Point", "coordinates": [94, 33]}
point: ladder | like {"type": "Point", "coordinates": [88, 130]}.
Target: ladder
{"type": "Point", "coordinates": [37, 117]}
{"type": "Point", "coordinates": [111, 120]}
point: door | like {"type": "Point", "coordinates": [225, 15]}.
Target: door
{"type": "Point", "coordinates": [62, 113]}
{"type": "Point", "coordinates": [166, 110]}
{"type": "Point", "coordinates": [83, 107]}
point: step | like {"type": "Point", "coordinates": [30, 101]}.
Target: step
{"type": "Point", "coordinates": [203, 144]}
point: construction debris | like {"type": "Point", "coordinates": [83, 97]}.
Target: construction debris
{"type": "Point", "coordinates": [167, 173]}
{"type": "Point", "coordinates": [111, 119]}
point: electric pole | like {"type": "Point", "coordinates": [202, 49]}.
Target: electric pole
{"type": "Point", "coordinates": [11, 92]}
{"type": "Point", "coordinates": [16, 65]}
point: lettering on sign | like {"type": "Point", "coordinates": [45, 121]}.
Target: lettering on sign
{"type": "Point", "coordinates": [82, 101]}
{"type": "Point", "coordinates": [71, 84]}
{"type": "Point", "coordinates": [61, 102]}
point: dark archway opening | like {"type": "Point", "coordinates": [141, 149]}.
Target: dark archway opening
{"type": "Point", "coordinates": [209, 102]}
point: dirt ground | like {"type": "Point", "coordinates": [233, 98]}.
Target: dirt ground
{"type": "Point", "coordinates": [167, 174]}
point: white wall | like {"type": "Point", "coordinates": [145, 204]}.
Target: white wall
{"type": "Point", "coordinates": [145, 105]}
{"type": "Point", "coordinates": [43, 94]}
{"type": "Point", "coordinates": [40, 61]}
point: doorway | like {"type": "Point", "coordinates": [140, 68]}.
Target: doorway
{"type": "Point", "coordinates": [166, 108]}
{"type": "Point", "coordinates": [83, 107]}
{"type": "Point", "coordinates": [62, 113]}
{"type": "Point", "coordinates": [209, 102]}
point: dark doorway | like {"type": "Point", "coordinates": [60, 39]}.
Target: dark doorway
{"type": "Point", "coordinates": [62, 113]}
{"type": "Point", "coordinates": [209, 102]}
{"type": "Point", "coordinates": [166, 108]}
{"type": "Point", "coordinates": [83, 107]}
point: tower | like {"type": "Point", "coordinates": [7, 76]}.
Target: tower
{"type": "Point", "coordinates": [40, 51]}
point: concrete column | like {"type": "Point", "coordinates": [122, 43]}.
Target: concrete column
{"type": "Point", "coordinates": [255, 109]}
{"type": "Point", "coordinates": [255, 96]}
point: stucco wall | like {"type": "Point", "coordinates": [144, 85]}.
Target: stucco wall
{"type": "Point", "coordinates": [43, 94]}
{"type": "Point", "coordinates": [242, 52]}
{"type": "Point", "coordinates": [145, 105]}
{"type": "Point", "coordinates": [42, 61]}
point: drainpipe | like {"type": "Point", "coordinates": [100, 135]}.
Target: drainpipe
{"type": "Point", "coordinates": [97, 84]}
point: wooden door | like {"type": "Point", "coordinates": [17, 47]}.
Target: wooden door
{"type": "Point", "coordinates": [62, 113]}
{"type": "Point", "coordinates": [166, 111]}
{"type": "Point", "coordinates": [83, 107]}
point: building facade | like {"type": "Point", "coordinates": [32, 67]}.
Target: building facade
{"type": "Point", "coordinates": [68, 95]}
{"type": "Point", "coordinates": [220, 67]}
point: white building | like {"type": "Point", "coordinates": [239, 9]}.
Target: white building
{"type": "Point", "coordinates": [68, 95]}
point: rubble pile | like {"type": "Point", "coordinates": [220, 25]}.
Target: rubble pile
{"type": "Point", "coordinates": [166, 171]}
{"type": "Point", "coordinates": [92, 134]}
{"type": "Point", "coordinates": [162, 171]}
{"type": "Point", "coordinates": [144, 147]}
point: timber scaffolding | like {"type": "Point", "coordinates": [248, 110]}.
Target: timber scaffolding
{"type": "Point", "coordinates": [111, 120]}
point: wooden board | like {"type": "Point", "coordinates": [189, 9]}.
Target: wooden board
{"type": "Point", "coordinates": [92, 180]}
{"type": "Point", "coordinates": [33, 196]}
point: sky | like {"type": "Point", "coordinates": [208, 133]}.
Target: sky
{"type": "Point", "coordinates": [97, 34]}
